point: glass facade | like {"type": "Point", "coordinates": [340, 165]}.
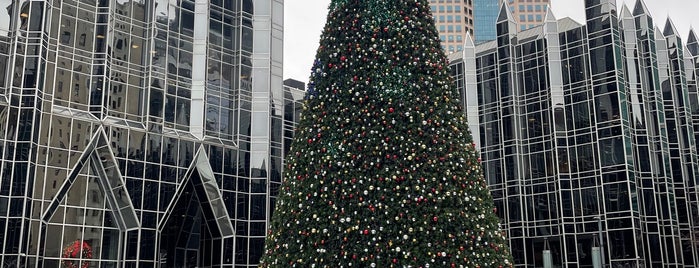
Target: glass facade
{"type": "Point", "coordinates": [139, 133]}
{"type": "Point", "coordinates": [589, 131]}
{"type": "Point", "coordinates": [456, 19]}
{"type": "Point", "coordinates": [294, 96]}
{"type": "Point", "coordinates": [485, 14]}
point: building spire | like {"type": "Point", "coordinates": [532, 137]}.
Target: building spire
{"type": "Point", "coordinates": [468, 43]}
{"type": "Point", "coordinates": [505, 13]}
{"type": "Point", "coordinates": [670, 29]}
{"type": "Point", "coordinates": [549, 17]}
{"type": "Point", "coordinates": [658, 33]}
{"type": "Point", "coordinates": [550, 22]}
{"type": "Point", "coordinates": [693, 42]}
{"type": "Point", "coordinates": [505, 16]}
{"type": "Point", "coordinates": [640, 8]}
{"type": "Point", "coordinates": [625, 13]}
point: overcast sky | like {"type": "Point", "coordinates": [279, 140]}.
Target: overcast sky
{"type": "Point", "coordinates": [304, 20]}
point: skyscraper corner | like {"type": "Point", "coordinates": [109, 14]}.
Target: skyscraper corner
{"type": "Point", "coordinates": [587, 136]}
{"type": "Point", "coordinates": [141, 133]}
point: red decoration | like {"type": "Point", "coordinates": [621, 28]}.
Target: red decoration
{"type": "Point", "coordinates": [77, 249]}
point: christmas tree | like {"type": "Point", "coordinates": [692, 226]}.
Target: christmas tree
{"type": "Point", "coordinates": [383, 171]}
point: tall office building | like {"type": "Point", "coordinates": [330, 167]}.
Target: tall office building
{"type": "Point", "coordinates": [454, 21]}
{"type": "Point", "coordinates": [138, 133]}
{"type": "Point", "coordinates": [528, 13]}
{"type": "Point", "coordinates": [485, 14]}
{"type": "Point", "coordinates": [588, 136]}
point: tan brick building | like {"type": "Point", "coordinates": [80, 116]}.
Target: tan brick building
{"type": "Point", "coordinates": [454, 20]}
{"type": "Point", "coordinates": [528, 13]}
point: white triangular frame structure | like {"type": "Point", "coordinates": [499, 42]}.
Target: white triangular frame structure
{"type": "Point", "coordinates": [208, 192]}
{"type": "Point", "coordinates": [101, 160]}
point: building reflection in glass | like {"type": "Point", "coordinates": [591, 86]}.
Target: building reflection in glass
{"type": "Point", "coordinates": [580, 122]}
{"type": "Point", "coordinates": [147, 130]}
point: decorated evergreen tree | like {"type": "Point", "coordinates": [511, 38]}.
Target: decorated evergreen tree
{"type": "Point", "coordinates": [382, 171]}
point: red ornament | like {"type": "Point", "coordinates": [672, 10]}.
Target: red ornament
{"type": "Point", "coordinates": [77, 249]}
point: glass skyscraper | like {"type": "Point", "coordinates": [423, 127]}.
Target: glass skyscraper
{"type": "Point", "coordinates": [588, 136]}
{"type": "Point", "coordinates": [485, 13]}
{"type": "Point", "coordinates": [139, 133]}
{"type": "Point", "coordinates": [528, 14]}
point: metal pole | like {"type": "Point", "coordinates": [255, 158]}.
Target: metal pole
{"type": "Point", "coordinates": [548, 260]}
{"type": "Point", "coordinates": [601, 241]}
{"type": "Point", "coordinates": [596, 259]}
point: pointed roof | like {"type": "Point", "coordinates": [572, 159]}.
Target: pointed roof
{"type": "Point", "coordinates": [693, 43]}
{"type": "Point", "coordinates": [670, 29]}
{"type": "Point", "coordinates": [549, 17]}
{"type": "Point", "coordinates": [625, 13]}
{"type": "Point", "coordinates": [505, 13]}
{"type": "Point", "coordinates": [566, 24]}
{"type": "Point", "coordinates": [486, 46]}
{"type": "Point", "coordinates": [658, 33]}
{"type": "Point", "coordinates": [550, 25]}
{"type": "Point", "coordinates": [468, 43]}
{"type": "Point", "coordinates": [692, 36]}
{"type": "Point", "coordinates": [640, 8]}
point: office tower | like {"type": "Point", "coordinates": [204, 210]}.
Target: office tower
{"type": "Point", "coordinates": [454, 21]}
{"type": "Point", "coordinates": [588, 136]}
{"type": "Point", "coordinates": [485, 13]}
{"type": "Point", "coordinates": [138, 133]}
{"type": "Point", "coordinates": [528, 13]}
